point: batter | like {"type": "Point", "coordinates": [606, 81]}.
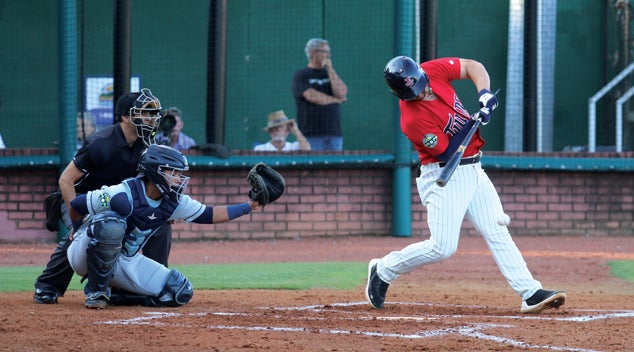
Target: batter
{"type": "Point", "coordinates": [435, 121]}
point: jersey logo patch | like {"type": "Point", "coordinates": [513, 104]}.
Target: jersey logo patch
{"type": "Point", "coordinates": [152, 217]}
{"type": "Point", "coordinates": [104, 200]}
{"type": "Point", "coordinates": [430, 140]}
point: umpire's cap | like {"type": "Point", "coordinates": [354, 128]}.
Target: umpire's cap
{"type": "Point", "coordinates": [124, 104]}
{"type": "Point", "coordinates": [405, 77]}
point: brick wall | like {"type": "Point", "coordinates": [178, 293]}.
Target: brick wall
{"type": "Point", "coordinates": [339, 202]}
{"type": "Point", "coordinates": [570, 203]}
{"type": "Point", "coordinates": [22, 195]}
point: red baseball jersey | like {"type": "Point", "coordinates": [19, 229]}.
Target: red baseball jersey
{"type": "Point", "coordinates": [430, 124]}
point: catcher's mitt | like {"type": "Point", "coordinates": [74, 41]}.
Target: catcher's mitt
{"type": "Point", "coordinates": [267, 185]}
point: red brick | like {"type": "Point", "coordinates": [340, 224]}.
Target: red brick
{"type": "Point", "coordinates": [338, 202]}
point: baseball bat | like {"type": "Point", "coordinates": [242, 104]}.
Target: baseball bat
{"type": "Point", "coordinates": [448, 170]}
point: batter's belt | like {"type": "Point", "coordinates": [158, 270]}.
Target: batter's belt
{"type": "Point", "coordinates": [436, 166]}
{"type": "Point", "coordinates": [466, 161]}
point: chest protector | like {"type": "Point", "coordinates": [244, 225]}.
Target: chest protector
{"type": "Point", "coordinates": [144, 219]}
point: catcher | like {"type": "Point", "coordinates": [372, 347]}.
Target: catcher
{"type": "Point", "coordinates": [111, 225]}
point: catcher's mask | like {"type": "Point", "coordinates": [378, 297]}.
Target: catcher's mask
{"type": "Point", "coordinates": [145, 114]}
{"type": "Point", "coordinates": [405, 77]}
{"type": "Point", "coordinates": [164, 166]}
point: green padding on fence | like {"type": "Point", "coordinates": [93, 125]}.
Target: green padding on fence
{"type": "Point", "coordinates": [335, 161]}
{"type": "Point", "coordinates": [29, 161]}
{"type": "Point", "coordinates": [552, 163]}
{"type": "Point", "coordinates": [359, 161]}
{"type": "Point", "coordinates": [387, 160]}
{"type": "Point", "coordinates": [557, 164]}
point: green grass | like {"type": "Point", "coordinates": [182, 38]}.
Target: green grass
{"type": "Point", "coordinates": [287, 276]}
{"type": "Point", "coordinates": [623, 269]}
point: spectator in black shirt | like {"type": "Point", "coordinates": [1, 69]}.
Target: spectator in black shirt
{"type": "Point", "coordinates": [318, 91]}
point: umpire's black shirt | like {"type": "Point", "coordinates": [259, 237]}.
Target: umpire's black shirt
{"type": "Point", "coordinates": [106, 159]}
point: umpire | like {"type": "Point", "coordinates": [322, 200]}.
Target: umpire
{"type": "Point", "coordinates": [109, 156]}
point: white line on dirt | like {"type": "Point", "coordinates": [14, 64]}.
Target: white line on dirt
{"type": "Point", "coordinates": [471, 330]}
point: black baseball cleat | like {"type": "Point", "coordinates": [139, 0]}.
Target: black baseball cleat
{"type": "Point", "coordinates": [543, 299]}
{"type": "Point", "coordinates": [42, 296]}
{"type": "Point", "coordinates": [376, 289]}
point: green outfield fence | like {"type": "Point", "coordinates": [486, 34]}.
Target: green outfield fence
{"type": "Point", "coordinates": [227, 64]}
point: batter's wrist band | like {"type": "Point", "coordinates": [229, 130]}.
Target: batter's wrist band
{"type": "Point", "coordinates": [235, 211]}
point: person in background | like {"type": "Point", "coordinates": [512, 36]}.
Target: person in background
{"type": "Point", "coordinates": [279, 126]}
{"type": "Point", "coordinates": [85, 127]}
{"type": "Point", "coordinates": [318, 91]}
{"type": "Point", "coordinates": [171, 131]}
{"type": "Point", "coordinates": [2, 146]}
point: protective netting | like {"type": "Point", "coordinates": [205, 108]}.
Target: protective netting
{"type": "Point", "coordinates": [225, 93]}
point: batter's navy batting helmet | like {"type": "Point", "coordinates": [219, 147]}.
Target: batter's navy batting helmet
{"type": "Point", "coordinates": [164, 166]}
{"type": "Point", "coordinates": [405, 77]}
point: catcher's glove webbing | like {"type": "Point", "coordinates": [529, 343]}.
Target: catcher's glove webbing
{"type": "Point", "coordinates": [267, 185]}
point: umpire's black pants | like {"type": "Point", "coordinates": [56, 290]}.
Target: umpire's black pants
{"type": "Point", "coordinates": [58, 273]}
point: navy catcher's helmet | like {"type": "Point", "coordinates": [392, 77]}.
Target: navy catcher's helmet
{"type": "Point", "coordinates": [405, 77]}
{"type": "Point", "coordinates": [164, 166]}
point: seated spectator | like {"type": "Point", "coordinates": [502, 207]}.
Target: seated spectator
{"type": "Point", "coordinates": [84, 128]}
{"type": "Point", "coordinates": [170, 131]}
{"type": "Point", "coordinates": [279, 126]}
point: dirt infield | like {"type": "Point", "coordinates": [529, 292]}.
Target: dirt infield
{"type": "Point", "coordinates": [461, 304]}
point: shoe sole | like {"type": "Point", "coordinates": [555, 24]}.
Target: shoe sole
{"type": "Point", "coordinates": [367, 286]}
{"type": "Point", "coordinates": [553, 302]}
{"type": "Point", "coordinates": [97, 304]}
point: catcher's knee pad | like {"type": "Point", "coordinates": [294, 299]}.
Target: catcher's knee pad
{"type": "Point", "coordinates": [108, 228]}
{"type": "Point", "coordinates": [177, 291]}
{"type": "Point", "coordinates": [107, 231]}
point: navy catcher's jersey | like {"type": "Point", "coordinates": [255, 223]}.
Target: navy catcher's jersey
{"type": "Point", "coordinates": [107, 159]}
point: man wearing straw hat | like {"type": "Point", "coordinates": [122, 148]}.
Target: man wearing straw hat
{"type": "Point", "coordinates": [279, 126]}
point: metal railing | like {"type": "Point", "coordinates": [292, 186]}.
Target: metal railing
{"type": "Point", "coordinates": [592, 111]}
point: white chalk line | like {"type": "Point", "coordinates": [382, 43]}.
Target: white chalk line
{"type": "Point", "coordinates": [472, 330]}
{"type": "Point", "coordinates": [592, 317]}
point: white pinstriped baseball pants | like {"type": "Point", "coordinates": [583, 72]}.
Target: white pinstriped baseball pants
{"type": "Point", "coordinates": [468, 193]}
